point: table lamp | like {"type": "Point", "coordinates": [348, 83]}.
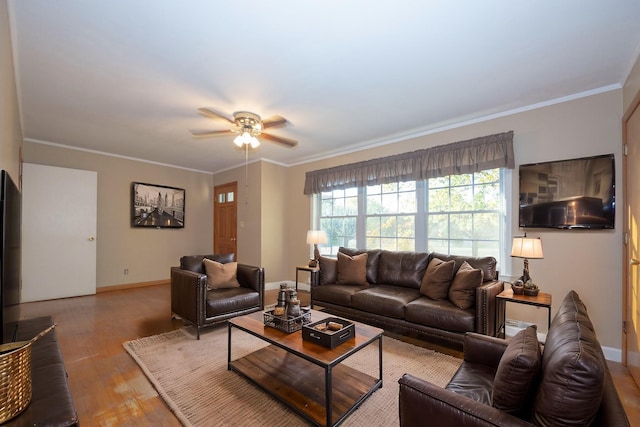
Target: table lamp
{"type": "Point", "coordinates": [313, 238]}
{"type": "Point", "coordinates": [525, 247]}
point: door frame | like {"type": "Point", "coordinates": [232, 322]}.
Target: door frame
{"type": "Point", "coordinates": [634, 107]}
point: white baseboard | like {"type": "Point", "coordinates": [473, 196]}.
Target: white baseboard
{"type": "Point", "coordinates": [612, 354]}
{"type": "Point", "coordinates": [513, 326]}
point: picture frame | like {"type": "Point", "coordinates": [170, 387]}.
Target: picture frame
{"type": "Point", "coordinates": [157, 206]}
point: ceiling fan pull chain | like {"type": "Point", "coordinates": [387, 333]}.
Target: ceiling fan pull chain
{"type": "Point", "coordinates": [246, 174]}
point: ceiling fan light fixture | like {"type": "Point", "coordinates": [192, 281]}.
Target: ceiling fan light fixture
{"type": "Point", "coordinates": [242, 139]}
{"type": "Point", "coordinates": [248, 126]}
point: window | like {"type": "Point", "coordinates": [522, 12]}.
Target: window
{"type": "Point", "coordinates": [338, 218]}
{"type": "Point", "coordinates": [391, 216]}
{"type": "Point", "coordinates": [456, 214]}
{"type": "Point", "coordinates": [464, 214]}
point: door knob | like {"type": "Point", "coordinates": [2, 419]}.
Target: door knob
{"type": "Point", "coordinates": [634, 261]}
{"type": "Point", "coordinates": [233, 239]}
{"type": "Point", "coordinates": [91, 239]}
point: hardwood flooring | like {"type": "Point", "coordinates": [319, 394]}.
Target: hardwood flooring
{"type": "Point", "coordinates": [108, 387]}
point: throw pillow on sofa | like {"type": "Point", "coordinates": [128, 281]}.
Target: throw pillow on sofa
{"type": "Point", "coordinates": [352, 270]}
{"type": "Point", "coordinates": [437, 279]}
{"type": "Point", "coordinates": [328, 270]}
{"type": "Point", "coordinates": [462, 292]}
{"type": "Point", "coordinates": [372, 261]}
{"type": "Point", "coordinates": [221, 276]}
{"type": "Point", "coordinates": [518, 373]}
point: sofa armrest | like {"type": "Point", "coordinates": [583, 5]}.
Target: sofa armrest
{"type": "Point", "coordinates": [188, 293]}
{"type": "Point", "coordinates": [486, 306]}
{"type": "Point", "coordinates": [483, 349]}
{"type": "Point", "coordinates": [419, 401]}
{"type": "Point", "coordinates": [253, 278]}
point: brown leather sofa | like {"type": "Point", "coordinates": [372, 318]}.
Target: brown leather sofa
{"type": "Point", "coordinates": [572, 387]}
{"type": "Point", "coordinates": [392, 300]}
{"type": "Point", "coordinates": [195, 304]}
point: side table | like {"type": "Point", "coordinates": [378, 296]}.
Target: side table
{"type": "Point", "coordinates": [313, 273]}
{"type": "Point", "coordinates": [541, 300]}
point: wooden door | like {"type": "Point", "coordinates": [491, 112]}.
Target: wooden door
{"type": "Point", "coordinates": [225, 216]}
{"type": "Point", "coordinates": [631, 169]}
{"type": "Point", "coordinates": [59, 223]}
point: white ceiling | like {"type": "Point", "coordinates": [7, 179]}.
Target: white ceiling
{"type": "Point", "coordinates": [126, 77]}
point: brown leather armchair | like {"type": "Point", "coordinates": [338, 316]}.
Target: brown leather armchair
{"type": "Point", "coordinates": [573, 386]}
{"type": "Point", "coordinates": [195, 304]}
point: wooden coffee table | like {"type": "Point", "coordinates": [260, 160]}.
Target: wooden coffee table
{"type": "Point", "coordinates": [297, 381]}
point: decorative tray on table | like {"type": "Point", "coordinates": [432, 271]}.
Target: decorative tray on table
{"type": "Point", "coordinates": [329, 332]}
{"type": "Point", "coordinates": [285, 323]}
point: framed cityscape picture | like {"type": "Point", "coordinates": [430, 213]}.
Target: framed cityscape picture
{"type": "Point", "coordinates": [157, 206]}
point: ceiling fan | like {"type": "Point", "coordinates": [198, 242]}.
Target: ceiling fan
{"type": "Point", "coordinates": [248, 126]}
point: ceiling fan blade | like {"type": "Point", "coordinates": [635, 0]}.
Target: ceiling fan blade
{"type": "Point", "coordinates": [274, 122]}
{"type": "Point", "coordinates": [208, 133]}
{"type": "Point", "coordinates": [280, 140]}
{"type": "Point", "coordinates": [213, 115]}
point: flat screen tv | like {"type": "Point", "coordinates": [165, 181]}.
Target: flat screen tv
{"type": "Point", "coordinates": [10, 256]}
{"type": "Point", "coordinates": [569, 194]}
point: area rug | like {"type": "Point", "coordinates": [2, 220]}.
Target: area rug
{"type": "Point", "coordinates": [192, 377]}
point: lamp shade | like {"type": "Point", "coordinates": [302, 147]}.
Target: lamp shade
{"type": "Point", "coordinates": [525, 247]}
{"type": "Point", "coordinates": [316, 236]}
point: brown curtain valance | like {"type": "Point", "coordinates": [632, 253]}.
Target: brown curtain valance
{"type": "Point", "coordinates": [473, 155]}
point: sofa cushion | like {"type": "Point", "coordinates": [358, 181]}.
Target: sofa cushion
{"type": "Point", "coordinates": [488, 264]}
{"type": "Point", "coordinates": [230, 300]}
{"type": "Point", "coordinates": [352, 270]}
{"type": "Point", "coordinates": [328, 270]}
{"type": "Point", "coordinates": [462, 291]}
{"type": "Point", "coordinates": [402, 268]}
{"type": "Point", "coordinates": [472, 380]}
{"type": "Point", "coordinates": [372, 261]}
{"type": "Point", "coordinates": [440, 314]}
{"type": "Point", "coordinates": [335, 294]}
{"type": "Point", "coordinates": [386, 300]}
{"type": "Point", "coordinates": [437, 279]}
{"type": "Point", "coordinates": [518, 373]}
{"type": "Point", "coordinates": [573, 369]}
{"type": "Point", "coordinates": [195, 262]}
{"type": "Point", "coordinates": [221, 276]}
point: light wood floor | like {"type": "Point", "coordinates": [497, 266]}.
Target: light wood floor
{"type": "Point", "coordinates": [107, 386]}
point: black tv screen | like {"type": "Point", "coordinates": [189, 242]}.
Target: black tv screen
{"type": "Point", "coordinates": [10, 256]}
{"type": "Point", "coordinates": [568, 194]}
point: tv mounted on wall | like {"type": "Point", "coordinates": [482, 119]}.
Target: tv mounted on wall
{"type": "Point", "coordinates": [10, 256]}
{"type": "Point", "coordinates": [568, 194]}
{"type": "Point", "coordinates": [157, 206]}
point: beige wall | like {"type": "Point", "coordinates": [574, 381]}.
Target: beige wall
{"type": "Point", "coordinates": [274, 228]}
{"type": "Point", "coordinates": [631, 88]}
{"type": "Point", "coordinates": [147, 253]}
{"type": "Point", "coordinates": [10, 129]}
{"type": "Point", "coordinates": [261, 217]}
{"type": "Point", "coordinates": [588, 262]}
{"type": "Point", "coordinates": [249, 210]}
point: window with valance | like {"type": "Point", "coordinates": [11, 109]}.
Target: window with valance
{"type": "Point", "coordinates": [473, 155]}
{"type": "Point", "coordinates": [446, 199]}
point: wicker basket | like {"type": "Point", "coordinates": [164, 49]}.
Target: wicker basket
{"type": "Point", "coordinates": [15, 378]}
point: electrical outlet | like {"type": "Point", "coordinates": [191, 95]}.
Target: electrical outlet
{"type": "Point", "coordinates": [126, 271]}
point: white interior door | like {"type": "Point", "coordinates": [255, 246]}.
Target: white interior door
{"type": "Point", "coordinates": [59, 211]}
